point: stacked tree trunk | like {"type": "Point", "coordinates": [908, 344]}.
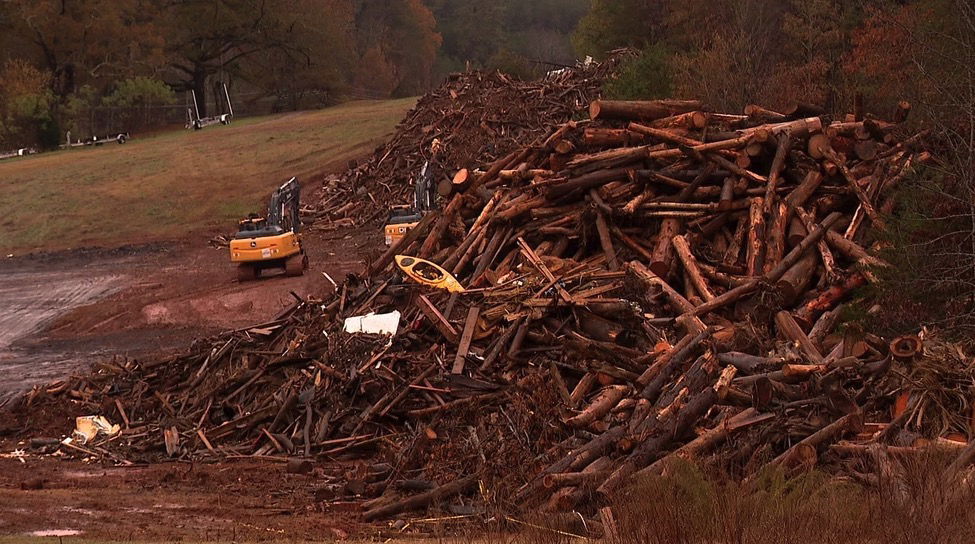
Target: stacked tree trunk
{"type": "Point", "coordinates": [664, 284]}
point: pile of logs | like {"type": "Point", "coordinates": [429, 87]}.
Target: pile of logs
{"type": "Point", "coordinates": [474, 118]}
{"type": "Point", "coordinates": [657, 282]}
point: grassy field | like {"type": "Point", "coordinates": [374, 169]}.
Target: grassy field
{"type": "Point", "coordinates": [169, 185]}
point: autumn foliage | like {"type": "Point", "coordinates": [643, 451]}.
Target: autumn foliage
{"type": "Point", "coordinates": [284, 54]}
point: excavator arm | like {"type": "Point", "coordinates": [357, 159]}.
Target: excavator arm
{"type": "Point", "coordinates": [283, 209]}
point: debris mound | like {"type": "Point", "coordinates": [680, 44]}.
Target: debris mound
{"type": "Point", "coordinates": [657, 282]}
{"type": "Point", "coordinates": [474, 118]}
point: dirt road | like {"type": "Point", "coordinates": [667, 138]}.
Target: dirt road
{"type": "Point", "coordinates": [62, 312]}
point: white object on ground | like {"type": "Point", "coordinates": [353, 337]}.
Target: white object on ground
{"type": "Point", "coordinates": [87, 428]}
{"type": "Point", "coordinates": [373, 323]}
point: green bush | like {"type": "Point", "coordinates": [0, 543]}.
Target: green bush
{"type": "Point", "coordinates": [645, 76]}
{"type": "Point", "coordinates": [29, 121]}
{"type": "Point", "coordinates": [140, 92]}
{"type": "Point", "coordinates": [136, 102]}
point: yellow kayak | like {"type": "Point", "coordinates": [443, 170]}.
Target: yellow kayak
{"type": "Point", "coordinates": [427, 273]}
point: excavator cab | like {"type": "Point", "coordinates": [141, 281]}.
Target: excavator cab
{"type": "Point", "coordinates": [272, 241]}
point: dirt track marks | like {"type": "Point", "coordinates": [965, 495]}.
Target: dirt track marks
{"type": "Point", "coordinates": [28, 300]}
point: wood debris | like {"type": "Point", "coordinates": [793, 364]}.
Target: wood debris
{"type": "Point", "coordinates": [662, 282]}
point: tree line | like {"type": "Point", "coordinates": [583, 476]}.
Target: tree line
{"type": "Point", "coordinates": [63, 63]}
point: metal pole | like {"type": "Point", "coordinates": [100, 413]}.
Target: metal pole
{"type": "Point", "coordinates": [229, 105]}
{"type": "Point", "coordinates": [196, 108]}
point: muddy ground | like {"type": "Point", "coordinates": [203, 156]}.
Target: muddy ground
{"type": "Point", "coordinates": [232, 501]}
{"type": "Point", "coordinates": [59, 313]}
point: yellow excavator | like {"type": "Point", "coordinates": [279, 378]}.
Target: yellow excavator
{"type": "Point", "coordinates": [404, 218]}
{"type": "Point", "coordinates": [271, 242]}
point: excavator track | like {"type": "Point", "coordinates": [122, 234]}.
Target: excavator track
{"type": "Point", "coordinates": [247, 272]}
{"type": "Point", "coordinates": [296, 265]}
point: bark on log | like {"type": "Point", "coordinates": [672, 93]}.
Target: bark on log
{"type": "Point", "coordinates": [854, 184]}
{"type": "Point", "coordinates": [585, 182]}
{"type": "Point", "coordinates": [829, 298]}
{"type": "Point", "coordinates": [748, 363]}
{"type": "Point", "coordinates": [848, 423]}
{"type": "Point", "coordinates": [641, 110]}
{"type": "Point", "coordinates": [663, 253]}
{"type": "Point", "coordinates": [708, 440]}
{"type": "Point", "coordinates": [422, 500]}
{"type": "Point", "coordinates": [796, 280]}
{"type": "Point", "coordinates": [763, 115]}
{"type": "Point", "coordinates": [775, 246]}
{"type": "Point", "coordinates": [651, 282]}
{"type": "Point", "coordinates": [774, 275]}
{"type": "Point", "coordinates": [694, 120]}
{"type": "Point", "coordinates": [600, 406]}
{"type": "Point", "coordinates": [791, 331]}
{"type": "Point", "coordinates": [611, 137]}
{"type": "Point", "coordinates": [683, 249]}
{"type": "Point", "coordinates": [605, 239]}
{"type": "Point", "coordinates": [650, 450]}
{"type": "Point", "coordinates": [436, 234]}
{"type": "Point", "coordinates": [756, 238]}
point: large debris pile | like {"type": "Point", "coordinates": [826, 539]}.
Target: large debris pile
{"type": "Point", "coordinates": [474, 118]}
{"type": "Point", "coordinates": [659, 282]}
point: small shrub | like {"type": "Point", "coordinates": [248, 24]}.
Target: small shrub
{"type": "Point", "coordinates": [645, 76]}
{"type": "Point", "coordinates": [915, 502]}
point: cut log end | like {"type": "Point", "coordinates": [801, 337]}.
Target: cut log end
{"type": "Point", "coordinates": [817, 145]}
{"type": "Point", "coordinates": [594, 109]}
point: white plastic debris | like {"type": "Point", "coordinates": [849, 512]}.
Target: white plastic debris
{"type": "Point", "coordinates": [87, 428]}
{"type": "Point", "coordinates": [373, 323]}
{"type": "Point", "coordinates": [19, 455]}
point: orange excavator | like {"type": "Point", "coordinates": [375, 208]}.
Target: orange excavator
{"type": "Point", "coordinates": [271, 242]}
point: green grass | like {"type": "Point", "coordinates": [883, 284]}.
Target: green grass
{"type": "Point", "coordinates": [177, 183]}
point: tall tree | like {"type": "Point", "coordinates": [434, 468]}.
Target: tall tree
{"type": "Point", "coordinates": [611, 24]}
{"type": "Point", "coordinates": [90, 42]}
{"type": "Point", "coordinates": [325, 29]}
{"type": "Point", "coordinates": [472, 30]}
{"type": "Point", "coordinates": [506, 34]}
{"type": "Point", "coordinates": [212, 37]}
{"type": "Point", "coordinates": [25, 106]}
{"type": "Point", "coordinates": [398, 45]}
{"type": "Point", "coordinates": [733, 66]}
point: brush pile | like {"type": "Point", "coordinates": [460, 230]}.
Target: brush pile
{"type": "Point", "coordinates": [658, 282]}
{"type": "Point", "coordinates": [472, 119]}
